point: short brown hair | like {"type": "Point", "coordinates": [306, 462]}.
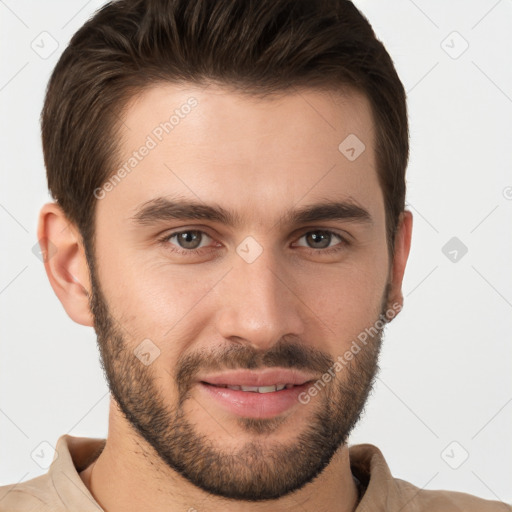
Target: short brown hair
{"type": "Point", "coordinates": [260, 47]}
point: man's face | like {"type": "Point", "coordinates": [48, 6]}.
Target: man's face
{"type": "Point", "coordinates": [176, 314]}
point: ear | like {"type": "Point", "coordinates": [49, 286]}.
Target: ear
{"type": "Point", "coordinates": [65, 262]}
{"type": "Point", "coordinates": [401, 253]}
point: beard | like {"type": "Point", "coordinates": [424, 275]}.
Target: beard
{"type": "Point", "coordinates": [260, 469]}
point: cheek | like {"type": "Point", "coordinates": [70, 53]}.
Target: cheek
{"type": "Point", "coordinates": [348, 300]}
{"type": "Point", "coordinates": [155, 299]}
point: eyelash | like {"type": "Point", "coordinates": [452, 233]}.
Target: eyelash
{"type": "Point", "coordinates": [188, 252]}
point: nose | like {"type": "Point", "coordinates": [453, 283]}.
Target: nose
{"type": "Point", "coordinates": [260, 303]}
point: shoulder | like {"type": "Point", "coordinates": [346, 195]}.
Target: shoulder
{"type": "Point", "coordinates": [446, 501]}
{"type": "Point", "coordinates": [385, 492]}
{"type": "Point", "coordinates": [36, 494]}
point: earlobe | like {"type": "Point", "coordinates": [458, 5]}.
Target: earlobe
{"type": "Point", "coordinates": [65, 262]}
{"type": "Point", "coordinates": [401, 254]}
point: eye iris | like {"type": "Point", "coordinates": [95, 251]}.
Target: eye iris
{"type": "Point", "coordinates": [188, 237]}
{"type": "Point", "coordinates": [323, 237]}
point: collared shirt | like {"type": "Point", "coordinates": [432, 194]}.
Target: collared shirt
{"type": "Point", "coordinates": [62, 489]}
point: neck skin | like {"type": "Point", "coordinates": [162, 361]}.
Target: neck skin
{"type": "Point", "coordinates": [152, 486]}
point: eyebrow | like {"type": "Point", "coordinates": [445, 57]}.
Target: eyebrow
{"type": "Point", "coordinates": [163, 209]}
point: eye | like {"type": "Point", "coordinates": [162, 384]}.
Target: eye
{"type": "Point", "coordinates": [189, 241]}
{"type": "Point", "coordinates": [320, 240]}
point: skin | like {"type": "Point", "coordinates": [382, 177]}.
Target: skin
{"type": "Point", "coordinates": [258, 158]}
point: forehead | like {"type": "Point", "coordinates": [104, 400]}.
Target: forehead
{"type": "Point", "coordinates": [248, 153]}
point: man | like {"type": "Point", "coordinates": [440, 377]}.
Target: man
{"type": "Point", "coordinates": [229, 180]}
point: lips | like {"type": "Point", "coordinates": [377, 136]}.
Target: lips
{"type": "Point", "coordinates": [255, 393]}
{"type": "Point", "coordinates": [253, 401]}
{"type": "Point", "coordinates": [261, 381]}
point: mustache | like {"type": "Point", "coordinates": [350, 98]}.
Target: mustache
{"type": "Point", "coordinates": [284, 354]}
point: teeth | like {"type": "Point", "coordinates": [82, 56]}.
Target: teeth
{"type": "Point", "coordinates": [264, 389]}
{"type": "Point", "coordinates": [250, 388]}
{"type": "Point", "coordinates": [261, 389]}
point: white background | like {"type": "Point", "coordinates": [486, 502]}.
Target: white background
{"type": "Point", "coordinates": [446, 365]}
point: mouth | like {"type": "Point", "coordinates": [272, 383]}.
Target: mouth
{"type": "Point", "coordinates": [272, 388]}
{"type": "Point", "coordinates": [255, 394]}
{"type": "Point", "coordinates": [260, 381]}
